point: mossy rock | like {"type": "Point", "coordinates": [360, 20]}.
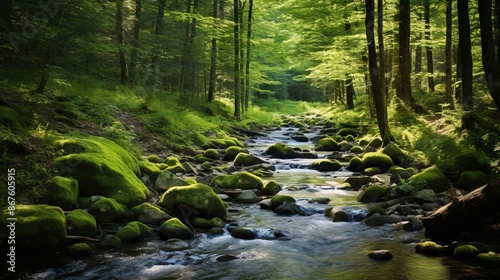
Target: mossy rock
{"type": "Point", "coordinates": [108, 210]}
{"type": "Point", "coordinates": [350, 138]}
{"type": "Point", "coordinates": [135, 232]}
{"type": "Point", "coordinates": [242, 180]}
{"type": "Point", "coordinates": [280, 150]}
{"type": "Point", "coordinates": [154, 159]}
{"type": "Point", "coordinates": [402, 173]}
{"type": "Point", "coordinates": [271, 188]}
{"type": "Point", "coordinates": [340, 216]}
{"type": "Point", "coordinates": [370, 171]}
{"type": "Point", "coordinates": [466, 252]}
{"type": "Point", "coordinates": [102, 168]}
{"type": "Point", "coordinates": [231, 153]}
{"type": "Point", "coordinates": [172, 160]}
{"type": "Point", "coordinates": [375, 143]}
{"type": "Point", "coordinates": [397, 155]}
{"type": "Point", "coordinates": [189, 202]}
{"type": "Point", "coordinates": [327, 144]}
{"type": "Point", "coordinates": [356, 149]}
{"type": "Point", "coordinates": [150, 169]}
{"type": "Point", "coordinates": [10, 117]}
{"type": "Point", "coordinates": [232, 141]}
{"type": "Point", "coordinates": [377, 159]}
{"type": "Point", "coordinates": [346, 131]}
{"type": "Point", "coordinates": [191, 181]}
{"type": "Point", "coordinates": [208, 224]}
{"type": "Point", "coordinates": [490, 259]}
{"type": "Point", "coordinates": [243, 233]}
{"type": "Point", "coordinates": [372, 193]}
{"type": "Point", "coordinates": [81, 223]}
{"type": "Point", "coordinates": [279, 199]}
{"type": "Point", "coordinates": [211, 154]}
{"type": "Point", "coordinates": [80, 249]}
{"type": "Point", "coordinates": [178, 168]}
{"type": "Point", "coordinates": [430, 248]}
{"type": "Point", "coordinates": [63, 192]}
{"type": "Point", "coordinates": [473, 179]}
{"type": "Point", "coordinates": [355, 164]}
{"type": "Point", "coordinates": [149, 214]}
{"type": "Point", "coordinates": [40, 228]}
{"type": "Point", "coordinates": [376, 210]}
{"type": "Point", "coordinates": [174, 228]}
{"type": "Point", "coordinates": [244, 159]}
{"type": "Point", "coordinates": [433, 178]}
{"type": "Point", "coordinates": [325, 165]}
{"type": "Point", "coordinates": [467, 161]}
{"type": "Point", "coordinates": [206, 166]}
{"type": "Point", "coordinates": [110, 241]}
{"type": "Point", "coordinates": [167, 180]}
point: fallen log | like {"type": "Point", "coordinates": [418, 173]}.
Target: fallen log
{"type": "Point", "coordinates": [470, 213]}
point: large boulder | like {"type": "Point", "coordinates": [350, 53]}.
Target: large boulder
{"type": "Point", "coordinates": [244, 159]}
{"type": "Point", "coordinates": [149, 214]}
{"type": "Point", "coordinates": [174, 228]}
{"type": "Point", "coordinates": [189, 202]}
{"type": "Point", "coordinates": [271, 188]}
{"type": "Point", "coordinates": [326, 165]}
{"type": "Point", "coordinates": [327, 144]}
{"type": "Point", "coordinates": [377, 159]}
{"type": "Point", "coordinates": [242, 180]}
{"type": "Point", "coordinates": [39, 228]}
{"type": "Point", "coordinates": [247, 196]}
{"type": "Point", "coordinates": [433, 178]}
{"type": "Point", "coordinates": [472, 179]}
{"type": "Point", "coordinates": [398, 156]}
{"type": "Point", "coordinates": [80, 249]}
{"type": "Point", "coordinates": [280, 150]}
{"type": "Point", "coordinates": [150, 169]}
{"type": "Point", "coordinates": [63, 192]}
{"type": "Point", "coordinates": [108, 210]}
{"type": "Point", "coordinates": [372, 193]}
{"type": "Point", "coordinates": [231, 153]}
{"type": "Point", "coordinates": [135, 232]}
{"type": "Point", "coordinates": [279, 199]}
{"type": "Point", "coordinates": [467, 161]}
{"type": "Point", "coordinates": [102, 168]}
{"type": "Point", "coordinates": [167, 179]}
{"type": "Point", "coordinates": [81, 223]}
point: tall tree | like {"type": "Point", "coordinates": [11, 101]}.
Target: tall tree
{"type": "Point", "coordinates": [465, 54]}
{"type": "Point", "coordinates": [348, 82]}
{"type": "Point", "coordinates": [448, 54]}
{"type": "Point", "coordinates": [378, 96]}
{"type": "Point", "coordinates": [428, 47]}
{"type": "Point", "coordinates": [488, 51]}
{"type": "Point", "coordinates": [120, 34]}
{"type": "Point", "coordinates": [418, 54]}
{"type": "Point", "coordinates": [237, 87]}
{"type": "Point", "coordinates": [213, 57]}
{"type": "Point", "coordinates": [404, 81]}
{"type": "Point", "coordinates": [248, 59]}
{"type": "Point", "coordinates": [381, 48]}
{"type": "Point", "coordinates": [135, 42]}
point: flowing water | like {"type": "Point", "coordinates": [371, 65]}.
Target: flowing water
{"type": "Point", "coordinates": [314, 247]}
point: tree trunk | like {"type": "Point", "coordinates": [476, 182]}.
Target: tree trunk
{"type": "Point", "coordinates": [449, 89]}
{"type": "Point", "coordinates": [465, 54]}
{"type": "Point", "coordinates": [378, 95]}
{"type": "Point", "coordinates": [428, 47]}
{"type": "Point", "coordinates": [135, 42]}
{"type": "Point", "coordinates": [249, 45]}
{"type": "Point", "coordinates": [150, 81]}
{"type": "Point", "coordinates": [120, 40]}
{"type": "Point", "coordinates": [349, 83]}
{"type": "Point", "coordinates": [213, 58]}
{"type": "Point", "coordinates": [381, 48]}
{"type": "Point", "coordinates": [488, 51]}
{"type": "Point", "coordinates": [237, 112]}
{"type": "Point", "coordinates": [418, 56]}
{"type": "Point", "coordinates": [242, 58]}
{"type": "Point", "coordinates": [404, 81]}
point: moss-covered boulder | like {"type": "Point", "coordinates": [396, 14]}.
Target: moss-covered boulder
{"type": "Point", "coordinates": [174, 228]}
{"type": "Point", "coordinates": [279, 199]}
{"type": "Point", "coordinates": [356, 149]}
{"type": "Point", "coordinates": [430, 248]}
{"type": "Point", "coordinates": [81, 223]}
{"type": "Point", "coordinates": [177, 168]}
{"type": "Point", "coordinates": [280, 150]}
{"type": "Point", "coordinates": [168, 179]}
{"type": "Point", "coordinates": [340, 216]}
{"type": "Point", "coordinates": [40, 228]}
{"type": "Point", "coordinates": [397, 155]}
{"type": "Point", "coordinates": [243, 233]}
{"type": "Point", "coordinates": [189, 202]}
{"type": "Point", "coordinates": [372, 193]}
{"type": "Point", "coordinates": [208, 224]}
{"type": "Point", "coordinates": [63, 192]}
{"type": "Point", "coordinates": [377, 159]}
{"type": "Point", "coordinates": [370, 171]}
{"type": "Point", "coordinates": [80, 249]}
{"type": "Point", "coordinates": [110, 242]}
{"type": "Point", "coordinates": [102, 168]}
{"type": "Point", "coordinates": [490, 259]}
{"type": "Point", "coordinates": [211, 154]}
{"type": "Point", "coordinates": [149, 169]}
{"type": "Point", "coordinates": [231, 153]}
{"type": "Point", "coordinates": [244, 159]}
{"type": "Point", "coordinates": [135, 232]}
{"type": "Point", "coordinates": [355, 164]}
{"type": "Point", "coordinates": [327, 144]}
{"type": "Point", "coordinates": [375, 143]}
{"type": "Point", "coordinates": [172, 160]}
{"type": "Point", "coordinates": [403, 173]}
{"type": "Point", "coordinates": [433, 178]}
{"type": "Point", "coordinates": [242, 180]}
{"type": "Point", "coordinates": [466, 252]}
{"type": "Point", "coordinates": [271, 188]}
{"type": "Point", "coordinates": [326, 165]}
{"type": "Point", "coordinates": [472, 179]}
{"type": "Point", "coordinates": [108, 210]}
{"type": "Point", "coordinates": [467, 161]}
{"type": "Point", "coordinates": [154, 159]}
{"type": "Point", "coordinates": [149, 214]}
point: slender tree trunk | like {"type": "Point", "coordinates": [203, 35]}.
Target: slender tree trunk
{"type": "Point", "coordinates": [404, 81]}
{"type": "Point", "coordinates": [497, 28]}
{"type": "Point", "coordinates": [449, 89]}
{"type": "Point", "coordinates": [213, 58]}
{"type": "Point", "coordinates": [242, 58]}
{"type": "Point", "coordinates": [187, 53]}
{"type": "Point", "coordinates": [249, 45]}
{"type": "Point", "coordinates": [237, 88]}
{"type": "Point", "coordinates": [465, 54]}
{"type": "Point", "coordinates": [488, 51]}
{"type": "Point", "coordinates": [428, 47]}
{"type": "Point", "coordinates": [150, 81]}
{"type": "Point", "coordinates": [348, 81]}
{"type": "Point", "coordinates": [378, 95]}
{"type": "Point", "coordinates": [120, 40]}
{"type": "Point", "coordinates": [381, 48]}
{"type": "Point", "coordinates": [135, 42]}
{"type": "Point", "coordinates": [418, 55]}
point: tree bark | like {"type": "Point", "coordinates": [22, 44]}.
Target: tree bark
{"type": "Point", "coordinates": [237, 88]}
{"type": "Point", "coordinates": [428, 47]}
{"type": "Point", "coordinates": [242, 57]}
{"type": "Point", "coordinates": [249, 45]}
{"type": "Point", "coordinates": [465, 54]}
{"type": "Point", "coordinates": [213, 57]}
{"type": "Point", "coordinates": [135, 42]}
{"type": "Point", "coordinates": [404, 81]}
{"type": "Point", "coordinates": [120, 40]}
{"type": "Point", "coordinates": [448, 60]}
{"type": "Point", "coordinates": [418, 55]}
{"type": "Point", "coordinates": [381, 48]}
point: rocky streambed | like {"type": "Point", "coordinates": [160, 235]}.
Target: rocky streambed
{"type": "Point", "coordinates": [296, 202]}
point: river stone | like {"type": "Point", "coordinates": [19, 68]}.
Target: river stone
{"type": "Point", "coordinates": [433, 177]}
{"type": "Point", "coordinates": [63, 192]}
{"type": "Point", "coordinates": [372, 193]}
{"type": "Point", "coordinates": [413, 225]}
{"type": "Point", "coordinates": [340, 216]}
{"type": "Point", "coordinates": [380, 255]}
{"type": "Point", "coordinates": [280, 150]}
{"type": "Point", "coordinates": [406, 210]}
{"type": "Point", "coordinates": [425, 195]}
{"type": "Point", "coordinates": [490, 259]}
{"type": "Point", "coordinates": [167, 179]}
{"type": "Point", "coordinates": [377, 159]}
{"type": "Point", "coordinates": [357, 182]}
{"type": "Point", "coordinates": [81, 223]}
{"type": "Point", "coordinates": [466, 252]}
{"type": "Point", "coordinates": [189, 168]}
{"type": "Point", "coordinates": [299, 137]}
{"type": "Point", "coordinates": [279, 199]}
{"type": "Point", "coordinates": [244, 159]}
{"type": "Point", "coordinates": [271, 188]}
{"type": "Point", "coordinates": [242, 180]}
{"type": "Point", "coordinates": [149, 214]}
{"type": "Point", "coordinates": [243, 233]}
{"type": "Point", "coordinates": [266, 204]}
{"type": "Point", "coordinates": [110, 241]}
{"type": "Point", "coordinates": [379, 220]}
{"type": "Point", "coordinates": [134, 232]}
{"type": "Point", "coordinates": [247, 196]}
{"type": "Point", "coordinates": [108, 210]}
{"type": "Point", "coordinates": [80, 249]}
{"type": "Point", "coordinates": [174, 228]}
{"type": "Point", "coordinates": [226, 258]}
{"type": "Point", "coordinates": [326, 165]}
{"type": "Point", "coordinates": [292, 209]}
{"type": "Point", "coordinates": [430, 248]}
{"type": "Point", "coordinates": [320, 200]}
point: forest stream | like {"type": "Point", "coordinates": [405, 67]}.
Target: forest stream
{"type": "Point", "coordinates": [307, 247]}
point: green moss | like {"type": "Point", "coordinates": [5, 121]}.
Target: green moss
{"type": "Point", "coordinates": [402, 173]}
{"type": "Point", "coordinates": [149, 168]}
{"type": "Point", "coordinates": [102, 168]}
{"type": "Point", "coordinates": [280, 150]}
{"type": "Point", "coordinates": [231, 153]}
{"type": "Point", "coordinates": [377, 159]}
{"type": "Point", "coordinates": [279, 199]}
{"type": "Point", "coordinates": [433, 178]}
{"type": "Point", "coordinates": [108, 210]}
{"type": "Point", "coordinates": [40, 228]}
{"type": "Point", "coordinates": [81, 223]}
{"type": "Point", "coordinates": [375, 142]}
{"type": "Point", "coordinates": [326, 165]}
{"type": "Point", "coordinates": [206, 166]}
{"type": "Point", "coordinates": [63, 192]}
{"type": "Point", "coordinates": [212, 154]}
{"type": "Point", "coordinates": [149, 214]}
{"type": "Point", "coordinates": [207, 224]}
{"type": "Point", "coordinates": [172, 160]}
{"type": "Point", "coordinates": [466, 252]}
{"type": "Point", "coordinates": [350, 138]}
{"type": "Point", "coordinates": [135, 232]}
{"type": "Point", "coordinates": [80, 249]}
{"type": "Point", "coordinates": [376, 210]}
{"type": "Point", "coordinates": [190, 181]}
{"type": "Point", "coordinates": [327, 144]}
{"type": "Point", "coordinates": [490, 259]}
{"type": "Point", "coordinates": [346, 131]}
{"type": "Point", "coordinates": [468, 161]}
{"type": "Point", "coordinates": [271, 188]}
{"type": "Point", "coordinates": [355, 164]}
{"type": "Point", "coordinates": [370, 171]}
{"type": "Point", "coordinates": [472, 179]}
{"type": "Point", "coordinates": [174, 228]}
{"type": "Point", "coordinates": [9, 117]}
{"type": "Point", "coordinates": [340, 216]}
{"type": "Point", "coordinates": [430, 248]}
{"type": "Point", "coordinates": [193, 201]}
{"type": "Point", "coordinates": [372, 193]}
{"type": "Point", "coordinates": [168, 179]}
{"type": "Point", "coordinates": [244, 159]}
{"type": "Point", "coordinates": [397, 155]}
{"type": "Point", "coordinates": [356, 149]}
{"type": "Point", "coordinates": [178, 168]}
{"type": "Point", "coordinates": [232, 141]}
{"type": "Point", "coordinates": [154, 159]}
{"type": "Point", "coordinates": [242, 180]}
{"type": "Point", "coordinates": [111, 241]}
